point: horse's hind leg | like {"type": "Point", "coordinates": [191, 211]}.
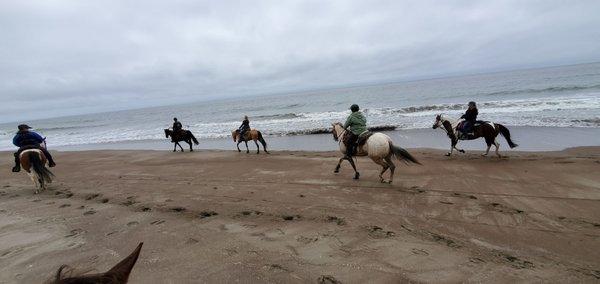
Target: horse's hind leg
{"type": "Point", "coordinates": [497, 148]}
{"type": "Point", "coordinates": [356, 173]}
{"type": "Point", "coordinates": [247, 150]}
{"type": "Point", "coordinates": [190, 143]}
{"type": "Point", "coordinates": [390, 163]}
{"type": "Point", "coordinates": [384, 166]}
{"type": "Point", "coordinates": [489, 143]}
{"type": "Point", "coordinates": [238, 145]}
{"type": "Point", "coordinates": [339, 165]}
{"type": "Point", "coordinates": [180, 146]}
{"type": "Point", "coordinates": [175, 147]}
{"type": "Point", "coordinates": [257, 148]}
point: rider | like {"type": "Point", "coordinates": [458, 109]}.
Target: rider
{"type": "Point", "coordinates": [470, 117]}
{"type": "Point", "coordinates": [244, 127]}
{"type": "Point", "coordinates": [177, 127]}
{"type": "Point", "coordinates": [25, 139]}
{"type": "Point", "coordinates": [358, 125]}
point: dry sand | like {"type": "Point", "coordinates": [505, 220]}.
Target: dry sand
{"type": "Point", "coordinates": [221, 216]}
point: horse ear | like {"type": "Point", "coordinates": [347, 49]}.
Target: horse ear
{"type": "Point", "coordinates": [122, 269]}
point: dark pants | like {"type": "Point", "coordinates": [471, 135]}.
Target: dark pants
{"type": "Point", "coordinates": [243, 133]}
{"type": "Point", "coordinates": [44, 150]}
{"type": "Point", "coordinates": [467, 126]}
{"type": "Point", "coordinates": [351, 140]}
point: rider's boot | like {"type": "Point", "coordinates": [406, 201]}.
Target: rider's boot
{"type": "Point", "coordinates": [51, 162]}
{"type": "Point", "coordinates": [17, 167]}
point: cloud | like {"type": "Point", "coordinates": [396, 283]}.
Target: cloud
{"type": "Point", "coordinates": [70, 57]}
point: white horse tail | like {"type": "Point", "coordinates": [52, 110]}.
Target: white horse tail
{"type": "Point", "coordinates": [402, 154]}
{"type": "Point", "coordinates": [42, 173]}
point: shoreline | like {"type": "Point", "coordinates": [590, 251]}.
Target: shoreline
{"type": "Point", "coordinates": [530, 139]}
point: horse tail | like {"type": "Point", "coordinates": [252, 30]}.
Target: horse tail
{"type": "Point", "coordinates": [193, 138]}
{"type": "Point", "coordinates": [504, 131]}
{"type": "Point", "coordinates": [262, 140]}
{"type": "Point", "coordinates": [402, 154]}
{"type": "Point", "coordinates": [38, 167]}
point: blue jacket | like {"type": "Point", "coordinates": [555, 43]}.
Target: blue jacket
{"type": "Point", "coordinates": [26, 138]}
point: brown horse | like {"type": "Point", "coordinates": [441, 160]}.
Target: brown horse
{"type": "Point", "coordinates": [487, 130]}
{"type": "Point", "coordinates": [119, 274]}
{"type": "Point", "coordinates": [33, 161]}
{"type": "Point", "coordinates": [252, 134]}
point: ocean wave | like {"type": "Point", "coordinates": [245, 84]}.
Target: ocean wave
{"type": "Point", "coordinates": [543, 90]}
{"type": "Point", "coordinates": [277, 116]}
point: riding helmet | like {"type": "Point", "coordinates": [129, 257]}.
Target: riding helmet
{"type": "Point", "coordinates": [472, 103]}
{"type": "Point", "coordinates": [23, 127]}
{"type": "Point", "coordinates": [175, 118]}
{"type": "Point", "coordinates": [354, 108]}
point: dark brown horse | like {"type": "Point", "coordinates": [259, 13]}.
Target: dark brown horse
{"type": "Point", "coordinates": [119, 274]}
{"type": "Point", "coordinates": [253, 135]}
{"type": "Point", "coordinates": [487, 130]}
{"type": "Point", "coordinates": [33, 161]}
{"type": "Point", "coordinates": [184, 135]}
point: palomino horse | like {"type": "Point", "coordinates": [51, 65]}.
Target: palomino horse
{"type": "Point", "coordinates": [187, 137]}
{"type": "Point", "coordinates": [33, 161]}
{"type": "Point", "coordinates": [379, 147]}
{"type": "Point", "coordinates": [487, 130]}
{"type": "Point", "coordinates": [119, 274]}
{"type": "Point", "coordinates": [252, 134]}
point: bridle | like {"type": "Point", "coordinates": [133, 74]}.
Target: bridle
{"type": "Point", "coordinates": [337, 136]}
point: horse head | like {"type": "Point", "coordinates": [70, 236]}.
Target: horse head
{"type": "Point", "coordinates": [438, 121]}
{"type": "Point", "coordinates": [334, 130]}
{"type": "Point", "coordinates": [167, 133]}
{"type": "Point", "coordinates": [234, 135]}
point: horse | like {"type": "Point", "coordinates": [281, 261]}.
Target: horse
{"type": "Point", "coordinates": [252, 134]}
{"type": "Point", "coordinates": [379, 147]}
{"type": "Point", "coordinates": [119, 274]}
{"type": "Point", "coordinates": [485, 129]}
{"type": "Point", "coordinates": [33, 161]}
{"type": "Point", "coordinates": [187, 137]}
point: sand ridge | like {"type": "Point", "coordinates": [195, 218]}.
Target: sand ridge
{"type": "Point", "coordinates": [222, 216]}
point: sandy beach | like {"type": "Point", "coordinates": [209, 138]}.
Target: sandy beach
{"type": "Point", "coordinates": [222, 216]}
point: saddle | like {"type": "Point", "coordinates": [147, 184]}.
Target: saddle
{"type": "Point", "coordinates": [363, 137]}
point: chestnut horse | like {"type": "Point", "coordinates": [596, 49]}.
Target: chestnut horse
{"type": "Point", "coordinates": [119, 274]}
{"type": "Point", "coordinates": [379, 147]}
{"type": "Point", "coordinates": [252, 134]}
{"type": "Point", "coordinates": [187, 137]}
{"type": "Point", "coordinates": [33, 161]}
{"type": "Point", "coordinates": [486, 129]}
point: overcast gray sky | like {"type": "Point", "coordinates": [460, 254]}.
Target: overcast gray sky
{"type": "Point", "coordinates": [70, 57]}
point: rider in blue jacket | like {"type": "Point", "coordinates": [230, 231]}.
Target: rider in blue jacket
{"type": "Point", "coordinates": [26, 139]}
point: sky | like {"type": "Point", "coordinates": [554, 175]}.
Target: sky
{"type": "Point", "coordinates": [62, 58]}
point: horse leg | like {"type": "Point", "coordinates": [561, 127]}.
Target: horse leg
{"type": "Point", "coordinates": [497, 148]}
{"type": "Point", "coordinates": [175, 147]}
{"type": "Point", "coordinates": [452, 146]}
{"type": "Point", "coordinates": [238, 146]}
{"type": "Point", "coordinates": [390, 163]}
{"type": "Point", "coordinates": [257, 148]}
{"type": "Point", "coordinates": [247, 150]}
{"type": "Point", "coordinates": [189, 141]}
{"type": "Point", "coordinates": [339, 165]}
{"type": "Point", "coordinates": [180, 146]}
{"type": "Point", "coordinates": [384, 166]}
{"type": "Point", "coordinates": [356, 173]}
{"type": "Point", "coordinates": [489, 143]}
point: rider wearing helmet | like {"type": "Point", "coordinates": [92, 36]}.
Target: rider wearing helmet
{"type": "Point", "coordinates": [470, 117]}
{"type": "Point", "coordinates": [177, 127]}
{"type": "Point", "coordinates": [356, 124]}
{"type": "Point", "coordinates": [26, 139]}
{"type": "Point", "coordinates": [244, 127]}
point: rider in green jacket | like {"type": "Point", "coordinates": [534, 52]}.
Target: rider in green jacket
{"type": "Point", "coordinates": [356, 124]}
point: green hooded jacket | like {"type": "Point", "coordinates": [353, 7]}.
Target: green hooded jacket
{"type": "Point", "coordinates": [357, 123]}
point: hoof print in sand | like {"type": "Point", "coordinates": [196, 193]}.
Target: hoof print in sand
{"type": "Point", "coordinates": [339, 221]}
{"type": "Point", "coordinates": [65, 205]}
{"type": "Point", "coordinates": [92, 196]}
{"type": "Point", "coordinates": [379, 233]}
{"type": "Point", "coordinates": [327, 279]}
{"type": "Point", "coordinates": [75, 232]}
{"type": "Point", "coordinates": [251, 213]}
{"type": "Point", "coordinates": [504, 209]}
{"type": "Point", "coordinates": [177, 209]}
{"type": "Point", "coordinates": [206, 214]}
{"type": "Point", "coordinates": [290, 217]}
{"type": "Point", "coordinates": [104, 200]}
{"type": "Point", "coordinates": [89, 212]}
{"type": "Point", "coordinates": [145, 209]}
{"type": "Point", "coordinates": [517, 262]}
{"type": "Point", "coordinates": [307, 240]}
{"type": "Point", "coordinates": [129, 202]}
{"type": "Point", "coordinates": [133, 223]}
{"type": "Point", "coordinates": [445, 240]}
{"type": "Point", "coordinates": [419, 251]}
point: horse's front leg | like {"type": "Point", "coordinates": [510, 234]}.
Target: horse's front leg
{"type": "Point", "coordinates": [390, 163]}
{"type": "Point", "coordinates": [497, 148]}
{"type": "Point", "coordinates": [247, 150]}
{"type": "Point", "coordinates": [238, 145]}
{"type": "Point", "coordinates": [180, 146]}
{"type": "Point", "coordinates": [339, 165]}
{"type": "Point", "coordinates": [356, 173]}
{"type": "Point", "coordinates": [174, 147]}
{"type": "Point", "coordinates": [257, 148]}
{"type": "Point", "coordinates": [452, 146]}
{"type": "Point", "coordinates": [190, 143]}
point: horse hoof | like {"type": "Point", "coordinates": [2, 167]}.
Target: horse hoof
{"type": "Point", "coordinates": [356, 176]}
{"type": "Point", "coordinates": [448, 154]}
{"type": "Point", "coordinates": [462, 151]}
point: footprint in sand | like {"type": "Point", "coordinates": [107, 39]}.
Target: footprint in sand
{"type": "Point", "coordinates": [327, 279]}
{"type": "Point", "coordinates": [251, 213]}
{"type": "Point", "coordinates": [104, 200]}
{"type": "Point", "coordinates": [419, 251]}
{"type": "Point", "coordinates": [65, 205]}
{"type": "Point", "coordinates": [145, 209]}
{"type": "Point", "coordinates": [92, 196]}
{"type": "Point", "coordinates": [291, 217]}
{"type": "Point", "coordinates": [504, 209]}
{"type": "Point", "coordinates": [89, 212]}
{"type": "Point", "coordinates": [446, 202]}
{"type": "Point", "coordinates": [339, 221]}
{"type": "Point", "coordinates": [377, 232]}
{"type": "Point", "coordinates": [206, 214]}
{"type": "Point", "coordinates": [445, 240]}
{"type": "Point", "coordinates": [177, 209]}
{"type": "Point", "coordinates": [75, 232]}
{"type": "Point", "coordinates": [133, 223]}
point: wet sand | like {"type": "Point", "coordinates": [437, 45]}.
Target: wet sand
{"type": "Point", "coordinates": [223, 216]}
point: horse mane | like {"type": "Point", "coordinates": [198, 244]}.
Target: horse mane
{"type": "Point", "coordinates": [118, 274]}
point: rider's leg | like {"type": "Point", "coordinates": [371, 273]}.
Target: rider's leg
{"type": "Point", "coordinates": [51, 162]}
{"type": "Point", "coordinates": [17, 166]}
{"type": "Point", "coordinates": [351, 145]}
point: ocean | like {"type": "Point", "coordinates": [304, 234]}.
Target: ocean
{"type": "Point", "coordinates": [557, 97]}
